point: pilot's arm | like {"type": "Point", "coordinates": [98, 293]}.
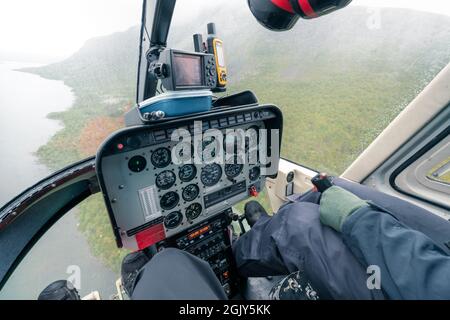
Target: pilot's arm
{"type": "Point", "coordinates": [411, 265]}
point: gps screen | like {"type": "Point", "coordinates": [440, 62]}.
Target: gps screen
{"type": "Point", "coordinates": [187, 70]}
{"type": "Point", "coordinates": [220, 55]}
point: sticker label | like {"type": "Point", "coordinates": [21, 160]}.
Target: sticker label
{"type": "Point", "coordinates": [149, 203]}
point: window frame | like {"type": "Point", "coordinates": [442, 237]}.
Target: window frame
{"type": "Point", "coordinates": [410, 178]}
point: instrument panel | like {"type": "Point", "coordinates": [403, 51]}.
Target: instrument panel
{"type": "Point", "coordinates": [150, 197]}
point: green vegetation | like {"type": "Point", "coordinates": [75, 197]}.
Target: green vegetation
{"type": "Point", "coordinates": [94, 223]}
{"type": "Point", "coordinates": [337, 82]}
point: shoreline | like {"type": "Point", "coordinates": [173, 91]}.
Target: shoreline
{"type": "Point", "coordinates": [25, 124]}
{"type": "Point", "coordinates": [27, 137]}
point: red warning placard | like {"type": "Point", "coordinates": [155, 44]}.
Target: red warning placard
{"type": "Point", "coordinates": [150, 236]}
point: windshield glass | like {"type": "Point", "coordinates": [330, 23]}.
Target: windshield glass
{"type": "Point", "coordinates": [68, 78]}
{"type": "Point", "coordinates": [339, 80]}
{"type": "Point", "coordinates": [68, 75]}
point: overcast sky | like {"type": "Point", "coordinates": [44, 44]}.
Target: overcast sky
{"type": "Point", "coordinates": [57, 28]}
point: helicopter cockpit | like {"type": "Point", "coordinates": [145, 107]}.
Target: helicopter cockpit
{"type": "Point", "coordinates": [188, 154]}
{"type": "Point", "coordinates": [171, 178]}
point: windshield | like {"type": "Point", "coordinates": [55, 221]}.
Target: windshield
{"type": "Point", "coordinates": [68, 74]}
{"type": "Point", "coordinates": [339, 80]}
{"type": "Point", "coordinates": [68, 78]}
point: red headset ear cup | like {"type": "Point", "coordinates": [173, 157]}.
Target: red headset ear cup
{"type": "Point", "coordinates": [280, 15]}
{"type": "Point", "coordinates": [303, 8]}
{"type": "Point", "coordinates": [284, 4]}
{"type": "Point", "coordinates": [275, 15]}
{"type": "Point", "coordinates": [309, 9]}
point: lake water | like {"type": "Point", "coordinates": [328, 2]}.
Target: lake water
{"type": "Point", "coordinates": [63, 252]}
{"type": "Point", "coordinates": [25, 101]}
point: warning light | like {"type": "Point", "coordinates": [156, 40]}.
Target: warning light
{"type": "Point", "coordinates": [120, 146]}
{"type": "Point", "coordinates": [253, 192]}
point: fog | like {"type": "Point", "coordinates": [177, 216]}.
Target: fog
{"type": "Point", "coordinates": [49, 30]}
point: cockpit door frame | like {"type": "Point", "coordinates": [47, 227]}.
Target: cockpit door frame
{"type": "Point", "coordinates": [27, 217]}
{"type": "Point", "coordinates": [157, 14]}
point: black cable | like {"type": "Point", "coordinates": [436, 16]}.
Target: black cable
{"type": "Point", "coordinates": [146, 32]}
{"type": "Point", "coordinates": [141, 37]}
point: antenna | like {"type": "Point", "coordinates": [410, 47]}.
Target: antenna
{"type": "Point", "coordinates": [198, 42]}
{"type": "Point", "coordinates": [211, 28]}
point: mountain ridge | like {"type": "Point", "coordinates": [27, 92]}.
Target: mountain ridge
{"type": "Point", "coordinates": [104, 53]}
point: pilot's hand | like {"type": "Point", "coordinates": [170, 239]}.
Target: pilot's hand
{"type": "Point", "coordinates": [336, 204]}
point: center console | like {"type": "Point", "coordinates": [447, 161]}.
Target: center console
{"type": "Point", "coordinates": [210, 241]}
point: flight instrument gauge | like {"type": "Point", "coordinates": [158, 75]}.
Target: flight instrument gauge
{"type": "Point", "coordinates": [254, 173]}
{"type": "Point", "coordinates": [184, 152]}
{"type": "Point", "coordinates": [161, 157]}
{"type": "Point", "coordinates": [173, 220]}
{"type": "Point", "coordinates": [208, 148]}
{"type": "Point", "coordinates": [253, 134]}
{"type": "Point", "coordinates": [193, 211]}
{"type": "Point", "coordinates": [251, 141]}
{"type": "Point", "coordinates": [232, 143]}
{"type": "Point", "coordinates": [187, 172]}
{"type": "Point", "coordinates": [165, 179]}
{"type": "Point", "coordinates": [137, 163]}
{"type": "Point", "coordinates": [232, 170]}
{"type": "Point", "coordinates": [190, 192]}
{"type": "Point", "coordinates": [211, 174]}
{"type": "Point", "coordinates": [169, 200]}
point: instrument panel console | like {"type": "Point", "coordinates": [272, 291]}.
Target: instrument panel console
{"type": "Point", "coordinates": [154, 190]}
